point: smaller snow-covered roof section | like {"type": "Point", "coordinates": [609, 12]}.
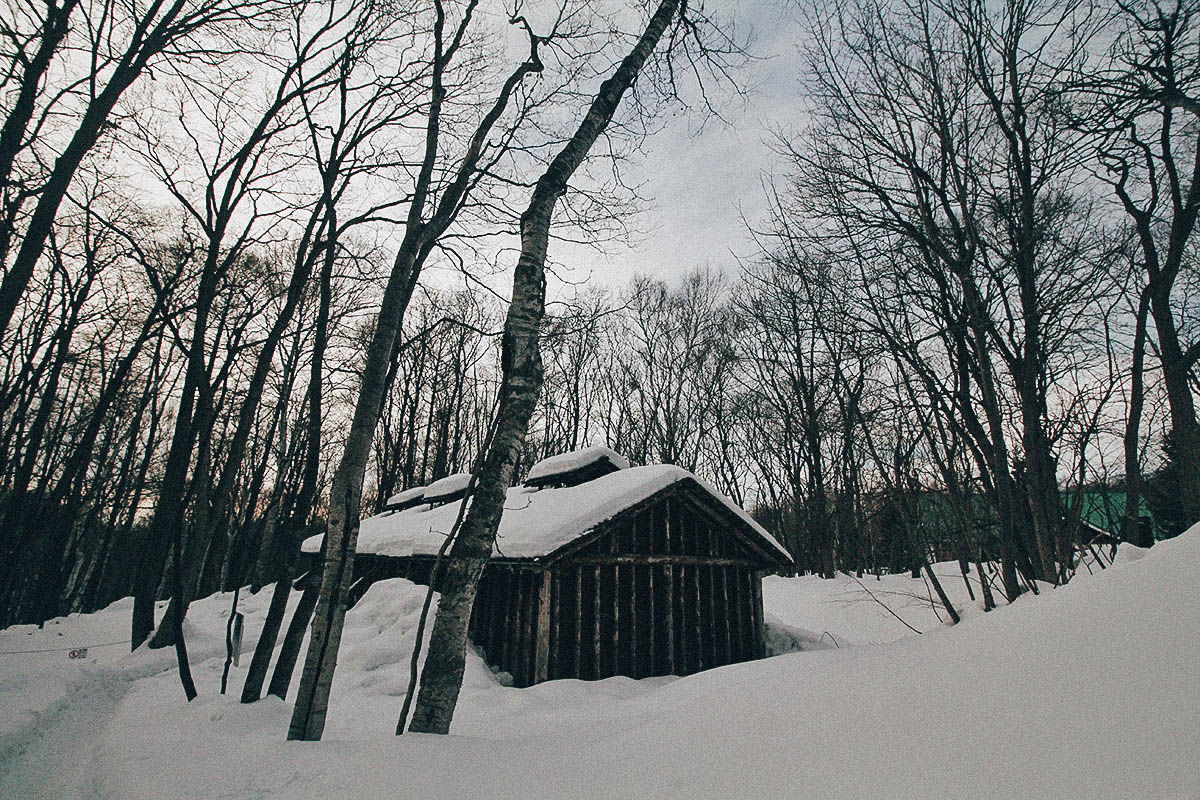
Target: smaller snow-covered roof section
{"type": "Point", "coordinates": [448, 488]}
{"type": "Point", "coordinates": [576, 467]}
{"type": "Point", "coordinates": [406, 499]}
{"type": "Point", "coordinates": [537, 522]}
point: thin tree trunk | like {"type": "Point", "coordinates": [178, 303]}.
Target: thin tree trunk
{"type": "Point", "coordinates": [989, 602]}
{"type": "Point", "coordinates": [308, 718]}
{"type": "Point", "coordinates": [285, 665]}
{"type": "Point", "coordinates": [256, 674]}
{"type": "Point", "coordinates": [941, 593]}
{"type": "Point", "coordinates": [181, 654]}
{"type": "Point", "coordinates": [229, 643]}
{"type": "Point", "coordinates": [521, 362]}
{"type": "Point", "coordinates": [1131, 519]}
{"type": "Point", "coordinates": [149, 38]}
{"type": "Point", "coordinates": [1185, 430]}
{"type": "Point", "coordinates": [298, 520]}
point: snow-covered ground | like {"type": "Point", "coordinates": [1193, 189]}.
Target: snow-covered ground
{"type": "Point", "coordinates": [1087, 691]}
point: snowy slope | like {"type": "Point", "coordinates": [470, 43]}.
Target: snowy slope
{"type": "Point", "coordinates": [1087, 691]}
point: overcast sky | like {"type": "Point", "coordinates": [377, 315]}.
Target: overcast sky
{"type": "Point", "coordinates": [700, 184]}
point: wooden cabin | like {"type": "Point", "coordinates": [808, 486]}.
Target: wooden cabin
{"type": "Point", "coordinates": [598, 570]}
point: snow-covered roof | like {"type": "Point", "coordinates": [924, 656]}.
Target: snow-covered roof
{"type": "Point", "coordinates": [566, 463]}
{"type": "Point", "coordinates": [449, 487]}
{"type": "Point", "coordinates": [406, 497]}
{"type": "Point", "coordinates": [535, 522]}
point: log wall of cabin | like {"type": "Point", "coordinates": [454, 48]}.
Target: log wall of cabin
{"type": "Point", "coordinates": [667, 592]}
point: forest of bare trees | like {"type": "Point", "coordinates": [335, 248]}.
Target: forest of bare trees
{"type": "Point", "coordinates": [970, 331]}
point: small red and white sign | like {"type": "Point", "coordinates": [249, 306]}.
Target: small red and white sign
{"type": "Point", "coordinates": [78, 653]}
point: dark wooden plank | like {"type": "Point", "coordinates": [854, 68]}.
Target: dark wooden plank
{"type": "Point", "coordinates": [652, 621]}
{"type": "Point", "coordinates": [726, 614]}
{"type": "Point", "coordinates": [524, 668]}
{"type": "Point", "coordinates": [721, 603]}
{"type": "Point", "coordinates": [672, 663]}
{"type": "Point", "coordinates": [735, 614]}
{"type": "Point", "coordinates": [533, 592]}
{"type": "Point", "coordinates": [578, 632]}
{"type": "Point", "coordinates": [563, 651]}
{"type": "Point", "coordinates": [715, 623]}
{"type": "Point", "coordinates": [759, 640]}
{"type": "Point", "coordinates": [617, 640]}
{"type": "Point", "coordinates": [517, 657]}
{"type": "Point", "coordinates": [504, 630]}
{"type": "Point", "coordinates": [541, 637]}
{"type": "Point", "coordinates": [748, 611]}
{"type": "Point", "coordinates": [694, 601]}
{"type": "Point", "coordinates": [659, 524]}
{"type": "Point", "coordinates": [629, 620]}
{"type": "Point", "coordinates": [686, 625]}
{"type": "Point", "coordinates": [597, 669]}
{"type": "Point", "coordinates": [641, 621]}
{"type": "Point", "coordinates": [524, 639]}
{"type": "Point", "coordinates": [705, 615]}
{"type": "Point", "coordinates": [669, 506]}
{"type": "Point", "coordinates": [555, 621]}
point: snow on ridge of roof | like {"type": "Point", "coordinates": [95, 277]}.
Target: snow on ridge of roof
{"type": "Point", "coordinates": [407, 496]}
{"type": "Point", "coordinates": [574, 460]}
{"type": "Point", "coordinates": [535, 522]}
{"type": "Point", "coordinates": [447, 486]}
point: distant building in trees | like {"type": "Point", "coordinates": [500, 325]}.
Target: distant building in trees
{"type": "Point", "coordinates": [598, 570]}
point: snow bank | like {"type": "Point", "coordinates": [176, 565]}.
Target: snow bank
{"type": "Point", "coordinates": [1084, 692]}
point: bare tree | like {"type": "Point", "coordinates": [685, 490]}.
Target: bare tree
{"type": "Point", "coordinates": [942, 166]}
{"type": "Point", "coordinates": [431, 211]}
{"type": "Point", "coordinates": [522, 375]}
{"type": "Point", "coordinates": [121, 42]}
{"type": "Point", "coordinates": [1145, 104]}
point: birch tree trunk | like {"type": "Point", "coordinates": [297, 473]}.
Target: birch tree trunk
{"type": "Point", "coordinates": [420, 237]}
{"type": "Point", "coordinates": [521, 362]}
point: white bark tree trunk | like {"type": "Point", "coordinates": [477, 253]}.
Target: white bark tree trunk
{"type": "Point", "coordinates": [521, 361]}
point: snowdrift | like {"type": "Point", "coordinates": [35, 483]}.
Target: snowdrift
{"type": "Point", "coordinates": [1088, 691]}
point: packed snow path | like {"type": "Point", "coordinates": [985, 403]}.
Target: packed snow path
{"type": "Point", "coordinates": [56, 712]}
{"type": "Point", "coordinates": [36, 767]}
